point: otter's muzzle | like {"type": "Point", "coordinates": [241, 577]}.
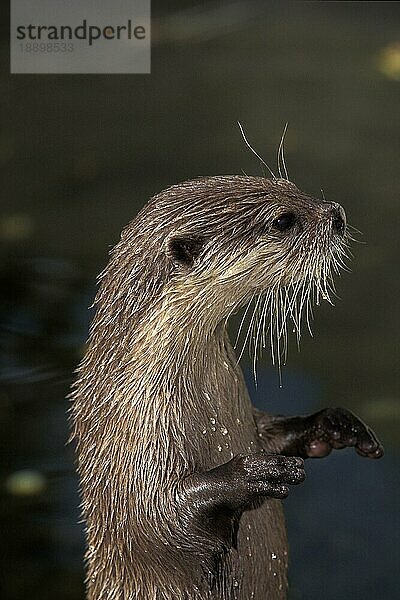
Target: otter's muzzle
{"type": "Point", "coordinates": [337, 216]}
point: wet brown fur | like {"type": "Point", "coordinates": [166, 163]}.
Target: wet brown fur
{"type": "Point", "coordinates": [160, 395]}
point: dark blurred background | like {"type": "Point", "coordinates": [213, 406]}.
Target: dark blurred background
{"type": "Point", "coordinates": [80, 154]}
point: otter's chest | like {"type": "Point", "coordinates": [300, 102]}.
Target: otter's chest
{"type": "Point", "coordinates": [223, 424]}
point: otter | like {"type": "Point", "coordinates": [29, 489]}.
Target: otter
{"type": "Point", "coordinates": [181, 477]}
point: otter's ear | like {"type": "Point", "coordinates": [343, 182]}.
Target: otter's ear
{"type": "Point", "coordinates": [184, 248]}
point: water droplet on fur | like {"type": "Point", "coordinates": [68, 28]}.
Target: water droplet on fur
{"type": "Point", "coordinates": [212, 420]}
{"type": "Point", "coordinates": [213, 428]}
{"type": "Point", "coordinates": [219, 448]}
{"type": "Point", "coordinates": [204, 431]}
{"type": "Point", "coordinates": [275, 574]}
{"type": "Point", "coordinates": [226, 445]}
{"type": "Point", "coordinates": [238, 421]}
{"type": "Point", "coordinates": [273, 556]}
{"type": "Point", "coordinates": [224, 430]}
{"type": "Point", "coordinates": [235, 583]}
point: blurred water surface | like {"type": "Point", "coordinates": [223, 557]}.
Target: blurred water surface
{"type": "Point", "coordinates": [81, 154]}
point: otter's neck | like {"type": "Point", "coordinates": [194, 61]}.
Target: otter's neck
{"type": "Point", "coordinates": [194, 390]}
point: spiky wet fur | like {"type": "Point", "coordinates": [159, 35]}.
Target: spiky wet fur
{"type": "Point", "coordinates": [160, 395]}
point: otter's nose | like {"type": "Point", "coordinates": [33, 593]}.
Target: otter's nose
{"type": "Point", "coordinates": [337, 216]}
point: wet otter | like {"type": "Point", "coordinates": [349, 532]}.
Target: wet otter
{"type": "Point", "coordinates": [181, 477]}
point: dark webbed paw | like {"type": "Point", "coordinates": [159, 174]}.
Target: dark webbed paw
{"type": "Point", "coordinates": [265, 474]}
{"type": "Point", "coordinates": [236, 484]}
{"type": "Point", "coordinates": [212, 502]}
{"type": "Point", "coordinates": [339, 428]}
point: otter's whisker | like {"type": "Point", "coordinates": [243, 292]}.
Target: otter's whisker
{"type": "Point", "coordinates": [272, 314]}
{"type": "Point", "coordinates": [260, 333]}
{"type": "Point", "coordinates": [296, 317]}
{"type": "Point", "coordinates": [338, 257]}
{"type": "Point", "coordinates": [264, 318]}
{"type": "Point", "coordinates": [304, 298]}
{"type": "Point", "coordinates": [293, 290]}
{"type": "Point", "coordinates": [309, 312]}
{"type": "Point", "coordinates": [283, 333]}
{"type": "Point", "coordinates": [242, 322]}
{"type": "Point", "coordinates": [253, 339]}
{"type": "Point", "coordinates": [278, 320]}
{"type": "Point", "coordinates": [281, 155]}
{"type": "Point", "coordinates": [249, 330]}
{"type": "Point", "coordinates": [350, 230]}
{"type": "Point", "coordinates": [286, 301]}
{"type": "Point", "coordinates": [275, 337]}
{"type": "Point", "coordinates": [253, 151]}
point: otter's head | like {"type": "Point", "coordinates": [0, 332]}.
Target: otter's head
{"type": "Point", "coordinates": [209, 246]}
{"type": "Point", "coordinates": [260, 232]}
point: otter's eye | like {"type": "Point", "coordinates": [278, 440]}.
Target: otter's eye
{"type": "Point", "coordinates": [284, 222]}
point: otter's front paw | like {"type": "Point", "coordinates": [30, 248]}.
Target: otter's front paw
{"type": "Point", "coordinates": [339, 428]}
{"type": "Point", "coordinates": [264, 474]}
{"type": "Point", "coordinates": [212, 502]}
